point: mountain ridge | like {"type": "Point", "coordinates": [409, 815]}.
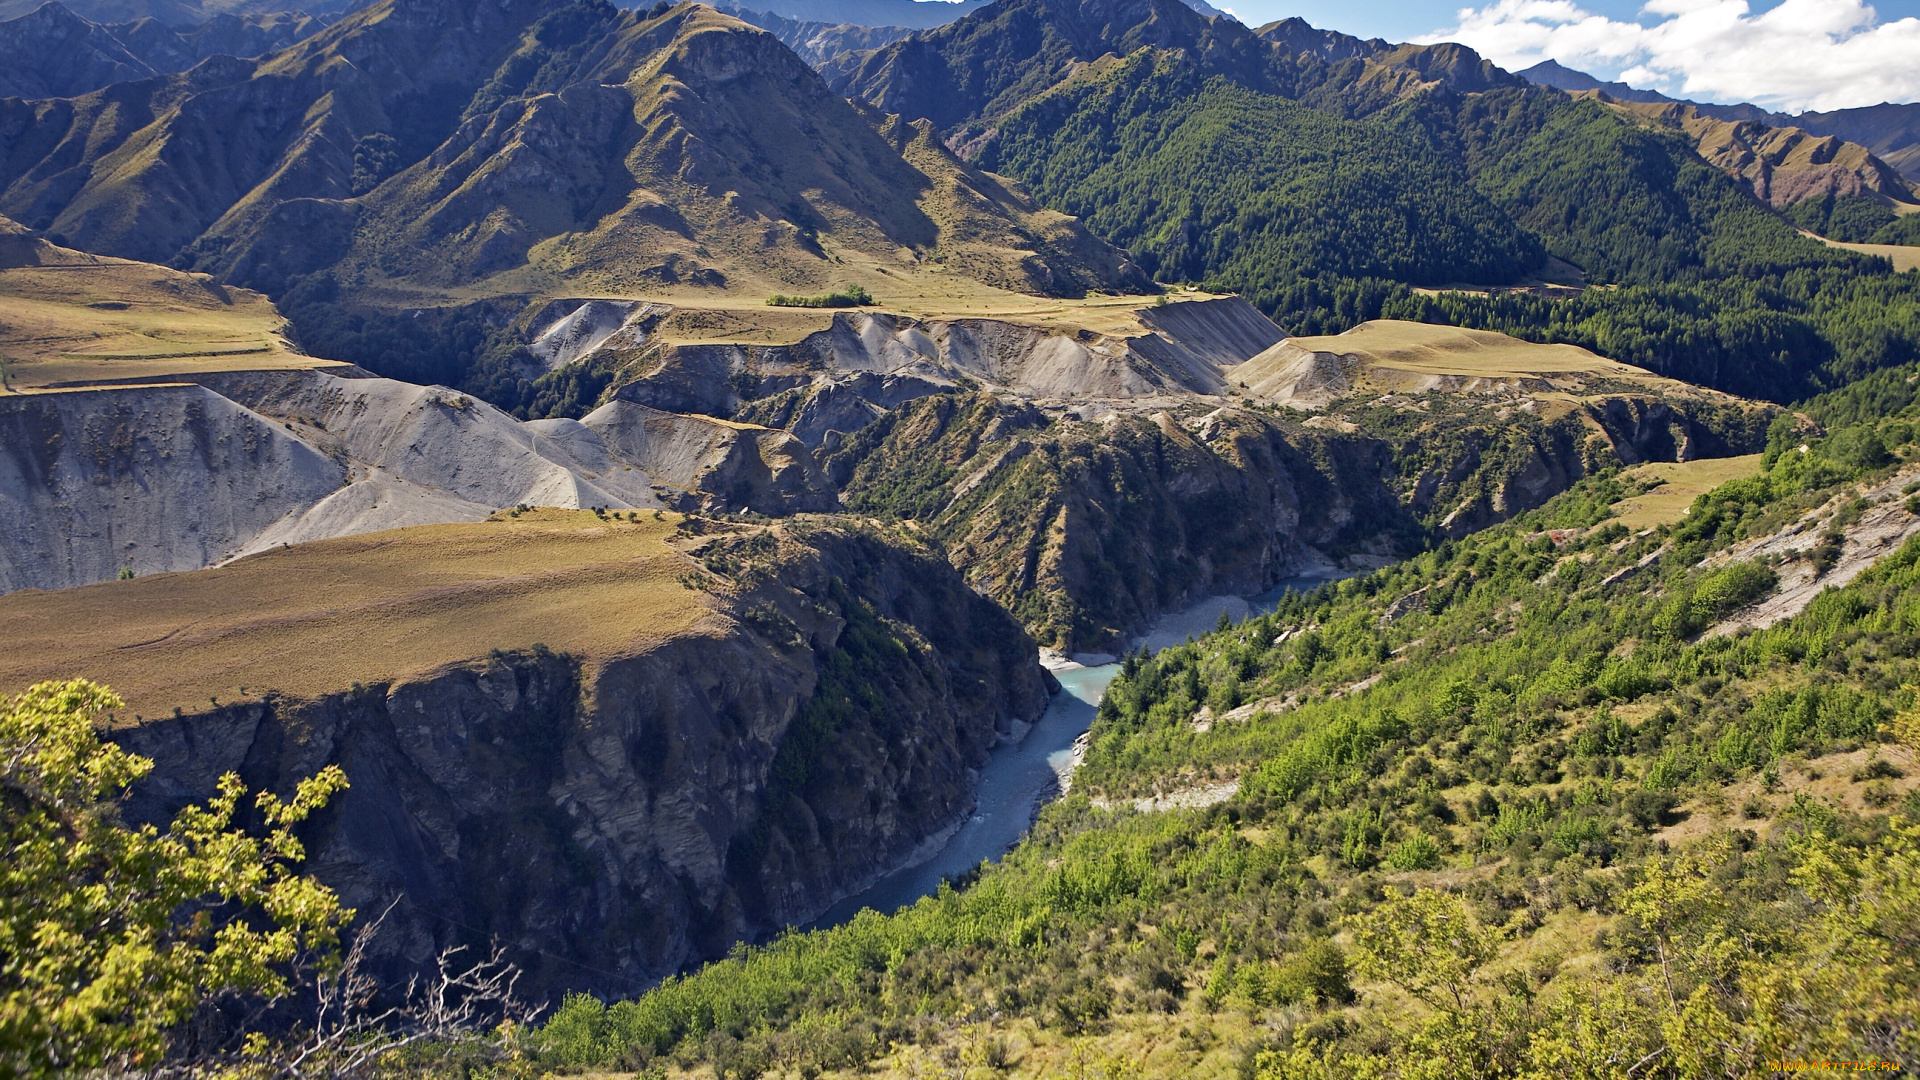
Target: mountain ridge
{"type": "Point", "coordinates": [1890, 131]}
{"type": "Point", "coordinates": [53, 52]}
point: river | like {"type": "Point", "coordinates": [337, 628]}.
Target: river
{"type": "Point", "coordinates": [1020, 776]}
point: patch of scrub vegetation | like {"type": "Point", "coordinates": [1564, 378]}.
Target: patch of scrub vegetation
{"type": "Point", "coordinates": [1485, 824]}
{"type": "Point", "coordinates": [851, 296]}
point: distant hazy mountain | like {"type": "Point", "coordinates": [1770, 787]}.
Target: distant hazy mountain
{"type": "Point", "coordinates": [824, 45]}
{"type": "Point", "coordinates": [52, 52]}
{"type": "Point", "coordinates": [912, 14]}
{"type": "Point", "coordinates": [1890, 131]}
{"type": "Point", "coordinates": [177, 13]}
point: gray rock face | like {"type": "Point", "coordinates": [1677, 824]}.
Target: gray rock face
{"type": "Point", "coordinates": [615, 819]}
{"type": "Point", "coordinates": [177, 477]}
{"type": "Point", "coordinates": [160, 478]}
{"type": "Point", "coordinates": [837, 380]}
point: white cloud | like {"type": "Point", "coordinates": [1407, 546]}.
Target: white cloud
{"type": "Point", "coordinates": [1802, 54]}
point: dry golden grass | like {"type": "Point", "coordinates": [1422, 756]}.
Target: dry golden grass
{"type": "Point", "coordinates": [1429, 349]}
{"type": "Point", "coordinates": [68, 317]}
{"type": "Point", "coordinates": [311, 619]}
{"type": "Point", "coordinates": [1827, 779]}
{"type": "Point", "coordinates": [1685, 482]}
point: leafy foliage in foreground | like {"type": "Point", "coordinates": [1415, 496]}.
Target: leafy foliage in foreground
{"type": "Point", "coordinates": [1462, 868]}
{"type": "Point", "coordinates": [112, 935]}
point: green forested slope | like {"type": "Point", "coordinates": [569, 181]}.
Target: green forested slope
{"type": "Point", "coordinates": [1503, 811]}
{"type": "Point", "coordinates": [1854, 219]}
{"type": "Point", "coordinates": [1207, 180]}
{"type": "Point", "coordinates": [1325, 221]}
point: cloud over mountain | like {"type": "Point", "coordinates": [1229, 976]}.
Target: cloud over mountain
{"type": "Point", "coordinates": [1801, 54]}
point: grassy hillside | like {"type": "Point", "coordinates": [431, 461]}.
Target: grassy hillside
{"type": "Point", "coordinates": [1505, 808]}
{"type": "Point", "coordinates": [74, 318]}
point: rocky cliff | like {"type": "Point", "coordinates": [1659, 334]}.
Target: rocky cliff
{"type": "Point", "coordinates": [631, 796]}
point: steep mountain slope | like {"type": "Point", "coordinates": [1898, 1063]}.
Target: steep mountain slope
{"type": "Point", "coordinates": [693, 149]}
{"type": "Point", "coordinates": [144, 169]}
{"type": "Point", "coordinates": [1784, 165]}
{"type": "Point", "coordinates": [1274, 190]}
{"type": "Point", "coordinates": [413, 154]}
{"type": "Point", "coordinates": [51, 52]}
{"type": "Point", "coordinates": [620, 745]}
{"type": "Point", "coordinates": [1890, 132]}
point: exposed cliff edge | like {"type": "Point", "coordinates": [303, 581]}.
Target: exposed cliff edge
{"type": "Point", "coordinates": [617, 746]}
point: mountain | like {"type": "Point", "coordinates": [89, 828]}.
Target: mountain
{"type": "Point", "coordinates": [968, 74]}
{"type": "Point", "coordinates": [1032, 88]}
{"type": "Point", "coordinates": [978, 69]}
{"type": "Point", "coordinates": [1785, 158]}
{"type": "Point", "coordinates": [405, 148]}
{"type": "Point", "coordinates": [1275, 190]}
{"type": "Point", "coordinates": [178, 14]}
{"type": "Point", "coordinates": [826, 46]}
{"type": "Point", "coordinates": [1783, 164]}
{"type": "Point", "coordinates": [912, 14]}
{"type": "Point", "coordinates": [53, 52]}
{"type": "Point", "coordinates": [1892, 132]}
{"type": "Point", "coordinates": [1889, 132]}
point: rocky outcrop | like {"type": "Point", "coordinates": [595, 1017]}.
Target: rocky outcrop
{"type": "Point", "coordinates": [1088, 528]}
{"type": "Point", "coordinates": [613, 818]}
{"type": "Point", "coordinates": [836, 381]}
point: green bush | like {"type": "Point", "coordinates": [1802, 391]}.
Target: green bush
{"type": "Point", "coordinates": [851, 296]}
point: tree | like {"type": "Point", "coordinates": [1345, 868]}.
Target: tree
{"type": "Point", "coordinates": [111, 935]}
{"type": "Point", "coordinates": [1428, 944]}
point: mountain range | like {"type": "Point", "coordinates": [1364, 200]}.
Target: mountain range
{"type": "Point", "coordinates": [695, 468]}
{"type": "Point", "coordinates": [1891, 132]}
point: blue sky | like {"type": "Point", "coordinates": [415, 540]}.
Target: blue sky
{"type": "Point", "coordinates": [1785, 54]}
